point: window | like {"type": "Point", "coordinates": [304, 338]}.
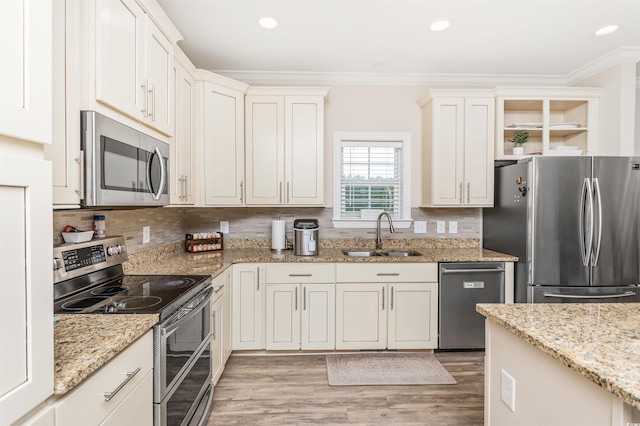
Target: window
{"type": "Point", "coordinates": [371, 174]}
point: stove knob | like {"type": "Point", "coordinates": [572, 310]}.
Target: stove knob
{"type": "Point", "coordinates": [57, 263]}
{"type": "Point", "coordinates": [112, 251]}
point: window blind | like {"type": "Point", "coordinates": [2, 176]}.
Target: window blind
{"type": "Point", "coordinates": [371, 178]}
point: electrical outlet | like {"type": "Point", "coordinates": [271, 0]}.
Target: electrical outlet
{"type": "Point", "coordinates": [224, 226]}
{"type": "Point", "coordinates": [440, 226]}
{"type": "Point", "coordinates": [508, 391]}
{"type": "Point", "coordinates": [420, 227]}
{"type": "Point", "coordinates": [146, 234]}
{"type": "Point", "coordinates": [453, 227]}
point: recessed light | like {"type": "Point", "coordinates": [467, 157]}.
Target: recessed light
{"type": "Point", "coordinates": [606, 30]}
{"type": "Point", "coordinates": [268, 23]}
{"type": "Point", "coordinates": [440, 25]}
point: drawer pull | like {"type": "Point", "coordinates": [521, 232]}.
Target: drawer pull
{"type": "Point", "coordinates": [217, 289]}
{"type": "Point", "coordinates": [391, 274]}
{"type": "Point", "coordinates": [109, 395]}
{"type": "Point", "coordinates": [300, 275]}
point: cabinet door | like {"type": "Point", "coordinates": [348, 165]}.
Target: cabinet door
{"type": "Point", "coordinates": [158, 66]}
{"type": "Point", "coordinates": [479, 125]}
{"type": "Point", "coordinates": [413, 316]}
{"type": "Point", "coordinates": [361, 316]}
{"type": "Point", "coordinates": [304, 150]}
{"type": "Point", "coordinates": [226, 313]}
{"type": "Point", "coordinates": [26, 328]}
{"type": "Point", "coordinates": [283, 306]}
{"type": "Point", "coordinates": [248, 306]}
{"type": "Point", "coordinates": [217, 355]}
{"type": "Point", "coordinates": [181, 187]}
{"type": "Point", "coordinates": [223, 144]}
{"type": "Point", "coordinates": [25, 70]}
{"type": "Point", "coordinates": [318, 316]}
{"type": "Point", "coordinates": [264, 130]}
{"type": "Point", "coordinates": [448, 151]}
{"type": "Point", "coordinates": [120, 34]}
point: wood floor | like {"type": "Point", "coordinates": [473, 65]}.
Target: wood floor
{"type": "Point", "coordinates": [278, 390]}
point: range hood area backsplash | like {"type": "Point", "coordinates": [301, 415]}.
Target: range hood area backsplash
{"type": "Point", "coordinates": [169, 224]}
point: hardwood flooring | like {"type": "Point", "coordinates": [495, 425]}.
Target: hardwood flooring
{"type": "Point", "coordinates": [293, 389]}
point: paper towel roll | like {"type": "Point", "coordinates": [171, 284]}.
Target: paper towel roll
{"type": "Point", "coordinates": [278, 241]}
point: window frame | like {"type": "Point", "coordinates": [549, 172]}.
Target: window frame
{"type": "Point", "coordinates": [363, 137]}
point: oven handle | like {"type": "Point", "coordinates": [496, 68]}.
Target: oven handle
{"type": "Point", "coordinates": [163, 172]}
{"type": "Point", "coordinates": [184, 314]}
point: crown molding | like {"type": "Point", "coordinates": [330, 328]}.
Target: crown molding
{"type": "Point", "coordinates": [623, 54]}
{"type": "Point", "coordinates": [378, 79]}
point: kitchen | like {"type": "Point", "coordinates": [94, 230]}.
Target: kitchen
{"type": "Point", "coordinates": [348, 107]}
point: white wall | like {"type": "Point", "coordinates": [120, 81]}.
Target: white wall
{"type": "Point", "coordinates": [374, 109]}
{"type": "Point", "coordinates": [617, 108]}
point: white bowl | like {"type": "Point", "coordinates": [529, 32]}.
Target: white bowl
{"type": "Point", "coordinates": [77, 237]}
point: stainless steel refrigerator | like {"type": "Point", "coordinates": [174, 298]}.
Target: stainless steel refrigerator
{"type": "Point", "coordinates": [574, 224]}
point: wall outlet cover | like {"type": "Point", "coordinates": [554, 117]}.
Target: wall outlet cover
{"type": "Point", "coordinates": [508, 390]}
{"type": "Point", "coordinates": [440, 226]}
{"type": "Point", "coordinates": [420, 227]}
{"type": "Point", "coordinates": [146, 234]}
{"type": "Point", "coordinates": [453, 227]}
{"type": "Point", "coordinates": [224, 226]}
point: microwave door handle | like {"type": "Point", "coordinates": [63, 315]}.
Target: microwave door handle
{"type": "Point", "coordinates": [156, 195]}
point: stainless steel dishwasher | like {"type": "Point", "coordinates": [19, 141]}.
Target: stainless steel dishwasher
{"type": "Point", "coordinates": [462, 286]}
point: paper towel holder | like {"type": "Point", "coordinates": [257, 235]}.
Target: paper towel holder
{"type": "Point", "coordinates": [278, 236]}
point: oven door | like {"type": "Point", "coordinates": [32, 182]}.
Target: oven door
{"type": "Point", "coordinates": [188, 403]}
{"type": "Point", "coordinates": [179, 338]}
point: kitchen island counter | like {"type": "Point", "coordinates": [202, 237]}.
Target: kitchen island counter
{"type": "Point", "coordinates": [84, 343]}
{"type": "Point", "coordinates": [601, 342]}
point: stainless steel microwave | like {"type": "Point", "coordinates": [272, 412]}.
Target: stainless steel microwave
{"type": "Point", "coordinates": [122, 166]}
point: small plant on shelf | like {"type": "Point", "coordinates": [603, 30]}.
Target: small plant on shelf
{"type": "Point", "coordinates": [520, 138]}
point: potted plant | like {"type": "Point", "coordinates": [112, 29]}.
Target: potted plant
{"type": "Point", "coordinates": [519, 139]}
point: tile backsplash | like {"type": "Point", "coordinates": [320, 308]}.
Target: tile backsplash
{"type": "Point", "coordinates": [169, 224]}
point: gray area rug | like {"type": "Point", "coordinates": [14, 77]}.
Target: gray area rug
{"type": "Point", "coordinates": [386, 368]}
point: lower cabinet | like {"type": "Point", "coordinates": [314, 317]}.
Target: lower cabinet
{"type": "Point", "coordinates": [120, 393]}
{"type": "Point", "coordinates": [217, 333]}
{"type": "Point", "coordinates": [300, 307]}
{"type": "Point", "coordinates": [226, 315]}
{"type": "Point", "coordinates": [386, 306]}
{"type": "Point", "coordinates": [248, 306]}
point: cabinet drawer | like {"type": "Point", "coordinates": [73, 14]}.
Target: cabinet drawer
{"type": "Point", "coordinates": [386, 272]}
{"type": "Point", "coordinates": [86, 404]}
{"type": "Point", "coordinates": [300, 273]}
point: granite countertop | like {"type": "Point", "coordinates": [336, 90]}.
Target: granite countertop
{"type": "Point", "coordinates": [180, 262]}
{"type": "Point", "coordinates": [84, 343]}
{"type": "Point", "coordinates": [600, 341]}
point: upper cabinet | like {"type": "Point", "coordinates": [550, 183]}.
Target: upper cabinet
{"type": "Point", "coordinates": [458, 133]}
{"type": "Point", "coordinates": [25, 70]}
{"type": "Point", "coordinates": [220, 130]}
{"type": "Point", "coordinates": [133, 64]}
{"type": "Point", "coordinates": [181, 185]}
{"type": "Point", "coordinates": [284, 159]}
{"type": "Point", "coordinates": [560, 121]}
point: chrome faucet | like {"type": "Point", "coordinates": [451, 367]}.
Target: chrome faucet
{"type": "Point", "coordinates": [378, 239]}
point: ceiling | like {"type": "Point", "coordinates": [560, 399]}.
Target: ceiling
{"type": "Point", "coordinates": [389, 41]}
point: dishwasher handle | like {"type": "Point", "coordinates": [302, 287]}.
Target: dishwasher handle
{"type": "Point", "coordinates": [464, 271]}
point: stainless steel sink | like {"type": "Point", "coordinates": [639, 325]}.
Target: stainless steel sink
{"type": "Point", "coordinates": [354, 253]}
{"type": "Point", "coordinates": [401, 253]}
{"type": "Point", "coordinates": [390, 253]}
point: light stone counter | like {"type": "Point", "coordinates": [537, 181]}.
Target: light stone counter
{"type": "Point", "coordinates": [84, 343]}
{"type": "Point", "coordinates": [599, 341]}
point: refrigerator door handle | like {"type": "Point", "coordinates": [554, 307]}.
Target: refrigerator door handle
{"type": "Point", "coordinates": [601, 296]}
{"type": "Point", "coordinates": [596, 249]}
{"type": "Point", "coordinates": [586, 227]}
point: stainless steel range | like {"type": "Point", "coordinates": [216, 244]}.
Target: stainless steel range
{"type": "Point", "coordinates": [88, 279]}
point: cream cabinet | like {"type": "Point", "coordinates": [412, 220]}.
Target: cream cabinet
{"type": "Point", "coordinates": [226, 315]}
{"type": "Point", "coordinates": [560, 120]}
{"type": "Point", "coordinates": [284, 158]}
{"type": "Point", "coordinates": [25, 70]}
{"type": "Point", "coordinates": [120, 393]}
{"type": "Point", "coordinates": [220, 121]}
{"type": "Point", "coordinates": [458, 135]}
{"type": "Point", "coordinates": [133, 63]}
{"type": "Point", "coordinates": [386, 306]}
{"type": "Point", "coordinates": [181, 187]}
{"type": "Point", "coordinates": [300, 307]}
{"type": "Point", "coordinates": [217, 330]}
{"type": "Point", "coordinates": [248, 306]}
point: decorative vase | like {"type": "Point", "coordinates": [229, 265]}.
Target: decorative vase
{"type": "Point", "coordinates": [518, 150]}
